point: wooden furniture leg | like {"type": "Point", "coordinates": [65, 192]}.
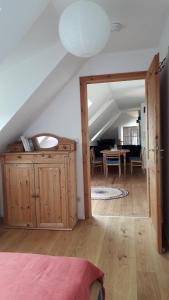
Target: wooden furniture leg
{"type": "Point", "coordinates": [120, 170]}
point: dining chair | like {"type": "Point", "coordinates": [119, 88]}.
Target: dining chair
{"type": "Point", "coordinates": [112, 160]}
{"type": "Point", "coordinates": [136, 162]}
{"type": "Point", "coordinates": [95, 162]}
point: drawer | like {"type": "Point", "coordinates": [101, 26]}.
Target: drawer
{"type": "Point", "coordinates": [50, 158]}
{"type": "Point", "coordinates": [65, 147]}
{"type": "Point", "coordinates": [19, 158]}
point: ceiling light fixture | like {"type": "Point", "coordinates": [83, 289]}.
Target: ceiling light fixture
{"type": "Point", "coordinates": [84, 28]}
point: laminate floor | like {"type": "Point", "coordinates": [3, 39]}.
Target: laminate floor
{"type": "Point", "coordinates": [122, 247]}
{"type": "Point", "coordinates": [135, 204]}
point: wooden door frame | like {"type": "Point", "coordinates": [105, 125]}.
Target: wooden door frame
{"type": "Point", "coordinates": [84, 81]}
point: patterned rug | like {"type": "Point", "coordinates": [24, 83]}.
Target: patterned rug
{"type": "Point", "coordinates": [107, 193]}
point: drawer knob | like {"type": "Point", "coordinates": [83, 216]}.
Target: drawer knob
{"type": "Point", "coordinates": [35, 196]}
{"type": "Point", "coordinates": [19, 156]}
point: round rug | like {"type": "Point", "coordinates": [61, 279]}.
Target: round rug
{"type": "Point", "coordinates": [107, 193]}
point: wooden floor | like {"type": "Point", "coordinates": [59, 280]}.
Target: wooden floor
{"type": "Point", "coordinates": [122, 247]}
{"type": "Point", "coordinates": [135, 204]}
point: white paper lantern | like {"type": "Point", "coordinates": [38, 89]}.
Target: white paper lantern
{"type": "Point", "coordinates": [84, 28]}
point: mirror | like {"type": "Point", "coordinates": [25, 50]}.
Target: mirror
{"type": "Point", "coordinates": [45, 141]}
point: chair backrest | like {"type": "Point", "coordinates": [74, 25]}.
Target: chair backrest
{"type": "Point", "coordinates": [114, 155]}
{"type": "Point", "coordinates": [92, 155]}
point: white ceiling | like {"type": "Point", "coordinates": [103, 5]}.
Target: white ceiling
{"type": "Point", "coordinates": [127, 94]}
{"type": "Point", "coordinates": [114, 100]}
{"type": "Point", "coordinates": [42, 34]}
{"type": "Point", "coordinates": [143, 22]}
{"type": "Point", "coordinates": [16, 18]}
{"type": "Point", "coordinates": [29, 26]}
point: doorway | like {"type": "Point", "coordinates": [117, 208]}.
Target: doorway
{"type": "Point", "coordinates": [152, 79]}
{"type": "Point", "coordinates": [84, 81]}
{"type": "Point", "coordinates": [117, 143]}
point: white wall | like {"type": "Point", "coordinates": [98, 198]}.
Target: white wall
{"type": "Point", "coordinates": [63, 116]}
{"type": "Point", "coordinates": [164, 42]}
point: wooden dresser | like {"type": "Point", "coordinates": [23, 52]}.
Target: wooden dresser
{"type": "Point", "coordinates": [40, 188]}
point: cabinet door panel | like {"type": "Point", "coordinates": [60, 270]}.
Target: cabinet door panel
{"type": "Point", "coordinates": [51, 202]}
{"type": "Point", "coordinates": [20, 205]}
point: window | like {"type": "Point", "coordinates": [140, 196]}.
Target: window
{"type": "Point", "coordinates": [131, 135]}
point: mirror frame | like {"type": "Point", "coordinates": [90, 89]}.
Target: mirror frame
{"type": "Point", "coordinates": [44, 149]}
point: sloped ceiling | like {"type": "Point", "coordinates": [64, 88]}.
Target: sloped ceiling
{"type": "Point", "coordinates": [38, 52]}
{"type": "Point", "coordinates": [140, 30]}
{"type": "Point", "coordinates": [42, 35]}
{"type": "Point", "coordinates": [28, 27]}
{"type": "Point", "coordinates": [39, 100]}
{"type": "Point", "coordinates": [143, 22]}
{"type": "Point", "coordinates": [112, 102]}
{"type": "Point", "coordinates": [16, 18]}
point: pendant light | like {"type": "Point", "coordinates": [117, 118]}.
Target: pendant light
{"type": "Point", "coordinates": [84, 28]}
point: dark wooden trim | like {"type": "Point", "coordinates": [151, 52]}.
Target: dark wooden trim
{"type": "Point", "coordinates": [113, 77]}
{"type": "Point", "coordinates": [85, 148]}
{"type": "Point", "coordinates": [84, 81]}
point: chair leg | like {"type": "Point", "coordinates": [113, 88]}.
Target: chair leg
{"type": "Point", "coordinates": [119, 170]}
{"type": "Point", "coordinates": [131, 166]}
{"type": "Point", "coordinates": [106, 171]}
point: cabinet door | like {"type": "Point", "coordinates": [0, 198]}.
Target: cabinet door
{"type": "Point", "coordinates": [19, 191]}
{"type": "Point", "coordinates": [51, 191]}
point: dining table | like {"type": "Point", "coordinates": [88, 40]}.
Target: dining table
{"type": "Point", "coordinates": [122, 153]}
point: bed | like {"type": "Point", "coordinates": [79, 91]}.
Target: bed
{"type": "Point", "coordinates": [96, 291]}
{"type": "Point", "coordinates": [41, 277]}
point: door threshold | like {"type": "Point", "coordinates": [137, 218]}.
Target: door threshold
{"type": "Point", "coordinates": [127, 217]}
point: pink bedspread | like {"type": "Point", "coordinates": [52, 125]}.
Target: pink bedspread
{"type": "Point", "coordinates": [41, 277]}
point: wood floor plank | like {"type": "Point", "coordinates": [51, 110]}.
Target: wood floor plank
{"type": "Point", "coordinates": [121, 246]}
{"type": "Point", "coordinates": [135, 204]}
{"type": "Point", "coordinates": [147, 286]}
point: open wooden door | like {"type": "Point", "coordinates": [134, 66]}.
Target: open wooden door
{"type": "Point", "coordinates": [153, 149]}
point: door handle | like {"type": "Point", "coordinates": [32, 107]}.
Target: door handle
{"type": "Point", "coordinates": [156, 149]}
